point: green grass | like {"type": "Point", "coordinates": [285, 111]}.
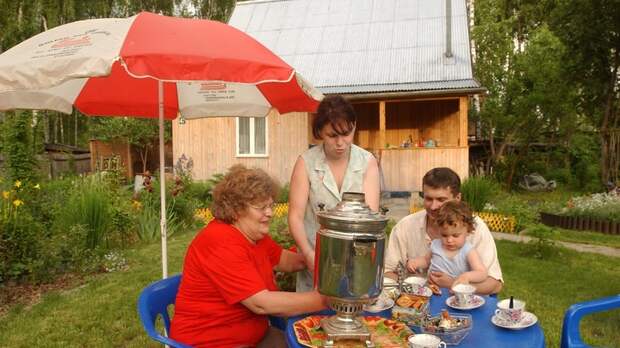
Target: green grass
{"type": "Point", "coordinates": [585, 237]}
{"type": "Point", "coordinates": [550, 286]}
{"type": "Point", "coordinates": [102, 313]}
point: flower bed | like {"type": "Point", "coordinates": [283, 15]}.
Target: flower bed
{"type": "Point", "coordinates": [598, 212]}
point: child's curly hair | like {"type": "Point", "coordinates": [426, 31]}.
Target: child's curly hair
{"type": "Point", "coordinates": [456, 211]}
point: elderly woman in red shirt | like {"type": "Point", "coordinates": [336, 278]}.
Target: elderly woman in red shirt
{"type": "Point", "coordinates": [228, 288]}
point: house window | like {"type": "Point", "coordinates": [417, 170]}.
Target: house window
{"type": "Point", "coordinates": [252, 137]}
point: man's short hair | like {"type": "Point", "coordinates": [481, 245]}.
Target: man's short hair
{"type": "Point", "coordinates": [442, 177]}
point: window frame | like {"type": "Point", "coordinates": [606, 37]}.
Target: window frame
{"type": "Point", "coordinates": [252, 153]}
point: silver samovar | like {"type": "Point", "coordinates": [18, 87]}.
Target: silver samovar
{"type": "Point", "coordinates": [349, 255]}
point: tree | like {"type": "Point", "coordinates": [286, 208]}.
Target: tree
{"type": "Point", "coordinates": [590, 29]}
{"type": "Point", "coordinates": [20, 163]}
{"type": "Point", "coordinates": [519, 61]}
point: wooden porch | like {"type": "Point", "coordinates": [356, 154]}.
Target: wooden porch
{"type": "Point", "coordinates": [410, 137]}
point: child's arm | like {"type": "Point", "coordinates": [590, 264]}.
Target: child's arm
{"type": "Point", "coordinates": [419, 262]}
{"type": "Point", "coordinates": [478, 271]}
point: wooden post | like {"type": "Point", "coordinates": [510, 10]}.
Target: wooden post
{"type": "Point", "coordinates": [463, 123]}
{"type": "Point", "coordinates": [382, 124]}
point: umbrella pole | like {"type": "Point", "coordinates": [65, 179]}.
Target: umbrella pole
{"type": "Point", "coordinates": [162, 182]}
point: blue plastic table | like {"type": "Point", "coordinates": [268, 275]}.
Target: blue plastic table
{"type": "Point", "coordinates": [483, 334]}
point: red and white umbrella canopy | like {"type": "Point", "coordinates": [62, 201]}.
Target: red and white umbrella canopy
{"type": "Point", "coordinates": [112, 66]}
{"type": "Point", "coordinates": [151, 66]}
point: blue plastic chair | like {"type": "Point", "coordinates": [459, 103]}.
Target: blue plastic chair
{"type": "Point", "coordinates": [153, 301]}
{"type": "Point", "coordinates": [571, 338]}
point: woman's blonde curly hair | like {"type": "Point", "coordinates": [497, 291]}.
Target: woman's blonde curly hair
{"type": "Point", "coordinates": [240, 187]}
{"type": "Point", "coordinates": [456, 211]}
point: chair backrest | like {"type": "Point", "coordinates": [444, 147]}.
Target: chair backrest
{"type": "Point", "coordinates": [571, 338]}
{"type": "Point", "coordinates": [153, 302]}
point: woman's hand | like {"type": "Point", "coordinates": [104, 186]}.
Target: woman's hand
{"type": "Point", "coordinates": [291, 261]}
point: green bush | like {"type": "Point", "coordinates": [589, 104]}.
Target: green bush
{"type": "Point", "coordinates": [17, 146]}
{"type": "Point", "coordinates": [559, 175]}
{"type": "Point", "coordinates": [20, 244]}
{"type": "Point", "coordinates": [542, 245]}
{"type": "Point", "coordinates": [89, 205]}
{"type": "Point", "coordinates": [511, 204]}
{"type": "Point", "coordinates": [123, 224]}
{"type": "Point", "coordinates": [279, 232]}
{"type": "Point", "coordinates": [283, 195]}
{"type": "Point", "coordinates": [477, 191]}
{"type": "Point", "coordinates": [200, 193]}
{"type": "Point", "coordinates": [179, 205]}
{"type": "Point", "coordinates": [149, 224]}
{"type": "Point", "coordinates": [64, 252]}
{"type": "Point", "coordinates": [587, 174]}
{"type": "Point", "coordinates": [49, 200]}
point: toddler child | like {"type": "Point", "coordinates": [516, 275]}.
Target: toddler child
{"type": "Point", "coordinates": [452, 253]}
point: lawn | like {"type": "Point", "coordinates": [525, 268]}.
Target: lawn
{"type": "Point", "coordinates": [102, 312]}
{"type": "Point", "coordinates": [585, 237]}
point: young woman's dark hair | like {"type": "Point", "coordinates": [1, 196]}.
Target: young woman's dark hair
{"type": "Point", "coordinates": [336, 110]}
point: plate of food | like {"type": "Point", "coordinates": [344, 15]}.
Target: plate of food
{"type": "Point", "coordinates": [380, 305]}
{"type": "Point", "coordinates": [385, 333]}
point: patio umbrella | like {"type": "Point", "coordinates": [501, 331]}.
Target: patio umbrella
{"type": "Point", "coordinates": [151, 66]}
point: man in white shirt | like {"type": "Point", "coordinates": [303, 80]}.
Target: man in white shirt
{"type": "Point", "coordinates": [411, 237]}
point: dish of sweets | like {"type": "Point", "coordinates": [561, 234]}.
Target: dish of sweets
{"type": "Point", "coordinates": [450, 328]}
{"type": "Point", "coordinates": [385, 333]}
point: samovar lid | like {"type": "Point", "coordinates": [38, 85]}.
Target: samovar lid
{"type": "Point", "coordinates": [352, 214]}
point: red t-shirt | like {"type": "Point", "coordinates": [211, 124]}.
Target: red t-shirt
{"type": "Point", "coordinates": [221, 269]}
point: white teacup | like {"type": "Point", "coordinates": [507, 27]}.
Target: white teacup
{"type": "Point", "coordinates": [425, 341]}
{"type": "Point", "coordinates": [510, 316]}
{"type": "Point", "coordinates": [464, 293]}
{"type": "Point", "coordinates": [415, 282]}
{"type": "Point", "coordinates": [390, 287]}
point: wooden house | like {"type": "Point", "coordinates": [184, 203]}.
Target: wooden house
{"type": "Point", "coordinates": [406, 66]}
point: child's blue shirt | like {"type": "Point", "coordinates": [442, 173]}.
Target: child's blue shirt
{"type": "Point", "coordinates": [453, 266]}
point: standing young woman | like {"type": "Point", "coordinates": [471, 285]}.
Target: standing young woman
{"type": "Point", "coordinates": [324, 172]}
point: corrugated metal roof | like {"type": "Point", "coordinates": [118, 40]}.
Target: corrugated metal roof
{"type": "Point", "coordinates": [359, 46]}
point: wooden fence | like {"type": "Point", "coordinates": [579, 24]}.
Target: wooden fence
{"type": "Point", "coordinates": [580, 223]}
